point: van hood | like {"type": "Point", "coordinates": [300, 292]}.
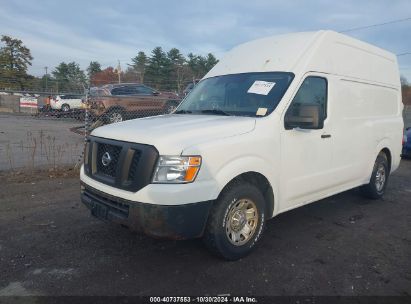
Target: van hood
{"type": "Point", "coordinates": [172, 133]}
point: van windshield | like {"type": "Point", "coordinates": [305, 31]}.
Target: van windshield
{"type": "Point", "coordinates": [245, 94]}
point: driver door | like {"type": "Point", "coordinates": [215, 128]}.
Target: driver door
{"type": "Point", "coordinates": [306, 154]}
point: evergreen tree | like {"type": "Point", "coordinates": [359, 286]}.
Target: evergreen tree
{"type": "Point", "coordinates": [211, 61]}
{"type": "Point", "coordinates": [158, 69]}
{"type": "Point", "coordinates": [14, 61]}
{"type": "Point", "coordinates": [69, 77]}
{"type": "Point", "coordinates": [93, 68]}
{"type": "Point", "coordinates": [179, 69]}
{"type": "Point", "coordinates": [193, 64]}
{"type": "Point", "coordinates": [169, 70]}
{"type": "Point", "coordinates": [139, 65]}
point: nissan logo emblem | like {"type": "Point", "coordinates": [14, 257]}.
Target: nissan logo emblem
{"type": "Point", "coordinates": [106, 159]}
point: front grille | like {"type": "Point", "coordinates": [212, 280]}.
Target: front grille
{"type": "Point", "coordinates": [113, 152]}
{"type": "Point", "coordinates": [132, 173]}
{"type": "Point", "coordinates": [124, 165]}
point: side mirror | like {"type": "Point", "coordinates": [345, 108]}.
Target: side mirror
{"type": "Point", "coordinates": [304, 116]}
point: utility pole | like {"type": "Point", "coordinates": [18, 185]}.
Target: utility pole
{"type": "Point", "coordinates": [119, 71]}
{"type": "Point", "coordinates": [46, 78]}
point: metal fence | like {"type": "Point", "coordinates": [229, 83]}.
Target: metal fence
{"type": "Point", "coordinates": [37, 133]}
{"type": "Point", "coordinates": [407, 116]}
{"type": "Point", "coordinates": [48, 131]}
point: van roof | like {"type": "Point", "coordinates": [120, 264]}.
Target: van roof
{"type": "Point", "coordinates": [321, 51]}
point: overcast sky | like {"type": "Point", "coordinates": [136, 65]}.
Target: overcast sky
{"type": "Point", "coordinates": [105, 31]}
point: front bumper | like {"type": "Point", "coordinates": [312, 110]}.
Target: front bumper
{"type": "Point", "coordinates": [160, 194]}
{"type": "Point", "coordinates": [185, 221]}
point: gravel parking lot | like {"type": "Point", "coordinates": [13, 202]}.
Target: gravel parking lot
{"type": "Point", "coordinates": [343, 245]}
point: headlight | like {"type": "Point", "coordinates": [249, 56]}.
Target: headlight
{"type": "Point", "coordinates": [177, 169]}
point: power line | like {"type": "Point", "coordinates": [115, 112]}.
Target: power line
{"type": "Point", "coordinates": [375, 25]}
{"type": "Point", "coordinates": [403, 54]}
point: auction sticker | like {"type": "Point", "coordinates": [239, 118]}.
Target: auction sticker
{"type": "Point", "coordinates": [261, 111]}
{"type": "Point", "coordinates": [261, 87]}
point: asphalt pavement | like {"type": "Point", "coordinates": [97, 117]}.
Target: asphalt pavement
{"type": "Point", "coordinates": [344, 245]}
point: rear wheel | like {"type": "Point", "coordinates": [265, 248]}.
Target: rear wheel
{"type": "Point", "coordinates": [236, 221]}
{"type": "Point", "coordinates": [65, 107]}
{"type": "Point", "coordinates": [376, 187]}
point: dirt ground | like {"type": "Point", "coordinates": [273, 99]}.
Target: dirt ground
{"type": "Point", "coordinates": [343, 245]}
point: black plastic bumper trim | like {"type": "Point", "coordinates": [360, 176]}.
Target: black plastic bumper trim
{"type": "Point", "coordinates": [184, 221]}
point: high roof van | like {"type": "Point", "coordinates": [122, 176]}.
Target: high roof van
{"type": "Point", "coordinates": [278, 123]}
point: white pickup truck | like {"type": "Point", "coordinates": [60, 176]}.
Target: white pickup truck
{"type": "Point", "coordinates": [278, 123]}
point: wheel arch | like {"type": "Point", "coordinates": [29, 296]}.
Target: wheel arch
{"type": "Point", "coordinates": [262, 183]}
{"type": "Point", "coordinates": [387, 152]}
{"type": "Point", "coordinates": [384, 146]}
{"type": "Point", "coordinates": [116, 108]}
{"type": "Point", "coordinates": [105, 116]}
{"type": "Point", "coordinates": [173, 101]}
{"type": "Point", "coordinates": [251, 168]}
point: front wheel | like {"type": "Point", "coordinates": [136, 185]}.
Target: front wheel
{"type": "Point", "coordinates": [236, 221]}
{"type": "Point", "coordinates": [376, 187]}
{"type": "Point", "coordinates": [115, 116]}
{"type": "Point", "coordinates": [170, 107]}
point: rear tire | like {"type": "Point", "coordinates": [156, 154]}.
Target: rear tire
{"type": "Point", "coordinates": [236, 221]}
{"type": "Point", "coordinates": [375, 189]}
{"type": "Point", "coordinates": [65, 107]}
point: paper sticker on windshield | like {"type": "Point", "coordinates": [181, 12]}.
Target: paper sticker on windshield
{"type": "Point", "coordinates": [261, 87]}
{"type": "Point", "coordinates": [261, 111]}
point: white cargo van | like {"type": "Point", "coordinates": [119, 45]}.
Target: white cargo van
{"type": "Point", "coordinates": [278, 123]}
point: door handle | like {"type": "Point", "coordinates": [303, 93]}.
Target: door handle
{"type": "Point", "coordinates": [325, 135]}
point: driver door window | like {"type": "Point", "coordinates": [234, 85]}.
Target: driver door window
{"type": "Point", "coordinates": [312, 91]}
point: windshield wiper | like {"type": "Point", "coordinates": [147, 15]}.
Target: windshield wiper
{"type": "Point", "coordinates": [215, 111]}
{"type": "Point", "coordinates": [182, 112]}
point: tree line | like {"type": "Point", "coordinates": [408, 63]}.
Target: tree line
{"type": "Point", "coordinates": [406, 91]}
{"type": "Point", "coordinates": [162, 70]}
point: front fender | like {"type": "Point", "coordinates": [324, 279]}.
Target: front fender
{"type": "Point", "coordinates": [244, 164]}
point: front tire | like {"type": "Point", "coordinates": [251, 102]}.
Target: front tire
{"type": "Point", "coordinates": [375, 189]}
{"type": "Point", "coordinates": [170, 107]}
{"type": "Point", "coordinates": [114, 116]}
{"type": "Point", "coordinates": [236, 221]}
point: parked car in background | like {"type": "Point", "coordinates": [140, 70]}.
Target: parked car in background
{"type": "Point", "coordinates": [190, 86]}
{"type": "Point", "coordinates": [406, 144]}
{"type": "Point", "coordinates": [66, 103]}
{"type": "Point", "coordinates": [118, 102]}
